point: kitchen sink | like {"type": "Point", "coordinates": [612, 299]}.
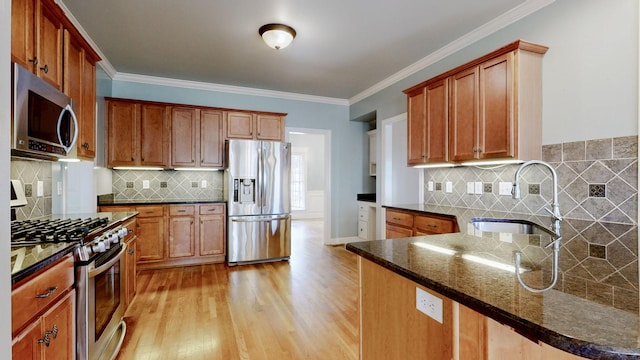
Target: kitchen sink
{"type": "Point", "coordinates": [513, 226]}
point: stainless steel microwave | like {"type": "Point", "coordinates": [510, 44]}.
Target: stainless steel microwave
{"type": "Point", "coordinates": [44, 121]}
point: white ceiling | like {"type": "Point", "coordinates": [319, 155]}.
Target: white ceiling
{"type": "Point", "coordinates": [342, 48]}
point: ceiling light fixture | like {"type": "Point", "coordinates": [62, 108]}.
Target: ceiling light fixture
{"type": "Point", "coordinates": [277, 36]}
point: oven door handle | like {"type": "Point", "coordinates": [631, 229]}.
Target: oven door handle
{"type": "Point", "coordinates": [104, 267]}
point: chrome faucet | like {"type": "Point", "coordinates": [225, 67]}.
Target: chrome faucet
{"type": "Point", "coordinates": [555, 225]}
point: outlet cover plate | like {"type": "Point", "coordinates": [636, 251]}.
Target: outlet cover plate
{"type": "Point", "coordinates": [469, 188]}
{"type": "Point", "coordinates": [505, 188]}
{"type": "Point", "coordinates": [430, 185]}
{"type": "Point", "coordinates": [429, 305]}
{"type": "Point", "coordinates": [145, 184]}
{"type": "Point", "coordinates": [448, 187]}
{"type": "Point", "coordinates": [477, 186]}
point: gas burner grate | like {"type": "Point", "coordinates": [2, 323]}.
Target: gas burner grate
{"type": "Point", "coordinates": [56, 230]}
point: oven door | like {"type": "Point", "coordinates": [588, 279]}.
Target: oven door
{"type": "Point", "coordinates": [105, 300]}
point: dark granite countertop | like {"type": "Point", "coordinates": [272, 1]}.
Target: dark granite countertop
{"type": "Point", "coordinates": [158, 202]}
{"type": "Point", "coordinates": [448, 265]}
{"type": "Point", "coordinates": [29, 259]}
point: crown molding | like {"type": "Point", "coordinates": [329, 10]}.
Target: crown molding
{"type": "Point", "coordinates": [502, 21]}
{"type": "Point", "coordinates": [197, 85]}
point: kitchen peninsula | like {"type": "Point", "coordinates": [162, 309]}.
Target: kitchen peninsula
{"type": "Point", "coordinates": [484, 311]}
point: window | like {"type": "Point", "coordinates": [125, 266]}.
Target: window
{"type": "Point", "coordinates": [298, 181]}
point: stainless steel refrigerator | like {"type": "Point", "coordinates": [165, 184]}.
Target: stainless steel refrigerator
{"type": "Point", "coordinates": [257, 191]}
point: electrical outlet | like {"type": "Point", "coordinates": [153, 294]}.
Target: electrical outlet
{"type": "Point", "coordinates": [203, 184]}
{"type": "Point", "coordinates": [430, 185]}
{"type": "Point", "coordinates": [145, 184]}
{"type": "Point", "coordinates": [477, 187]}
{"type": "Point", "coordinates": [40, 188]}
{"type": "Point", "coordinates": [505, 188]}
{"type": "Point", "coordinates": [429, 305]}
{"type": "Point", "coordinates": [448, 187]}
{"type": "Point", "coordinates": [469, 188]}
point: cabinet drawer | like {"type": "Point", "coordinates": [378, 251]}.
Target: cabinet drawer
{"type": "Point", "coordinates": [399, 218]}
{"type": "Point", "coordinates": [117, 208]}
{"type": "Point", "coordinates": [150, 211]}
{"type": "Point", "coordinates": [31, 297]}
{"type": "Point", "coordinates": [432, 224]}
{"type": "Point", "coordinates": [211, 209]}
{"type": "Point", "coordinates": [131, 228]}
{"type": "Point", "coordinates": [178, 210]}
{"type": "Point", "coordinates": [395, 232]}
{"type": "Point", "coordinates": [363, 228]}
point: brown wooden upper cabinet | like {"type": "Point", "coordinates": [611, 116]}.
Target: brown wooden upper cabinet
{"type": "Point", "coordinates": [40, 32]}
{"type": "Point", "coordinates": [489, 108]}
{"type": "Point", "coordinates": [137, 133]}
{"type": "Point", "coordinates": [197, 137]}
{"type": "Point", "coordinates": [257, 126]}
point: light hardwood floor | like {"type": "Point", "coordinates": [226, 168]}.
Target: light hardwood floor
{"type": "Point", "coordinates": [306, 308]}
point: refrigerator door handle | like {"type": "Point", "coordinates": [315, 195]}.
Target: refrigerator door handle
{"type": "Point", "coordinates": [259, 219]}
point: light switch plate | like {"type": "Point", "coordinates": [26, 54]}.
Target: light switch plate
{"type": "Point", "coordinates": [40, 188]}
{"type": "Point", "coordinates": [505, 188]}
{"type": "Point", "coordinates": [430, 185]}
{"type": "Point", "coordinates": [203, 184]}
{"type": "Point", "coordinates": [448, 187]}
{"type": "Point", "coordinates": [470, 188]}
{"type": "Point", "coordinates": [145, 184]}
{"type": "Point", "coordinates": [477, 186]}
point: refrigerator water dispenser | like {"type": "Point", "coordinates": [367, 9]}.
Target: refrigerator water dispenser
{"type": "Point", "coordinates": [244, 191]}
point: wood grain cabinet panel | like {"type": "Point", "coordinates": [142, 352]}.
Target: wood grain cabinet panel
{"type": "Point", "coordinates": [49, 45]}
{"type": "Point", "coordinates": [151, 236]}
{"type": "Point", "coordinates": [137, 134]}
{"type": "Point", "coordinates": [182, 236]}
{"type": "Point", "coordinates": [23, 33]}
{"type": "Point", "coordinates": [405, 223]}
{"type": "Point", "coordinates": [197, 137]}
{"type": "Point", "coordinates": [491, 110]}
{"type": "Point", "coordinates": [256, 126]}
{"type": "Point", "coordinates": [212, 230]}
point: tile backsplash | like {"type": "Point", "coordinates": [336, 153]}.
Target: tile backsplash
{"type": "Point", "coordinates": [30, 172]}
{"type": "Point", "coordinates": [598, 180]}
{"type": "Point", "coordinates": [167, 185]}
{"type": "Point", "coordinates": [598, 196]}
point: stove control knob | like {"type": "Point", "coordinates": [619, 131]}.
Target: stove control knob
{"type": "Point", "coordinates": [96, 248]}
{"type": "Point", "coordinates": [114, 238]}
{"type": "Point", "coordinates": [107, 243]}
{"type": "Point", "coordinates": [123, 232]}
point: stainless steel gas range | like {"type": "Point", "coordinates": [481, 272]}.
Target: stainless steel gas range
{"type": "Point", "coordinates": [98, 254]}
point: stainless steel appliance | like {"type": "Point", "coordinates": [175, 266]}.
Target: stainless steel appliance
{"type": "Point", "coordinates": [44, 121]}
{"type": "Point", "coordinates": [100, 329]}
{"type": "Point", "coordinates": [257, 191]}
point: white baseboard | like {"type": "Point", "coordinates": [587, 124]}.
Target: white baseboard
{"type": "Point", "coordinates": [307, 215]}
{"type": "Point", "coordinates": [342, 240]}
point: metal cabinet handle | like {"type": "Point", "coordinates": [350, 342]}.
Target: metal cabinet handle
{"type": "Point", "coordinates": [34, 61]}
{"type": "Point", "coordinates": [53, 331]}
{"type": "Point", "coordinates": [45, 340]}
{"type": "Point", "coordinates": [85, 145]}
{"type": "Point", "coordinates": [45, 68]}
{"type": "Point", "coordinates": [48, 293]}
{"type": "Point", "coordinates": [131, 251]}
{"type": "Point", "coordinates": [182, 211]}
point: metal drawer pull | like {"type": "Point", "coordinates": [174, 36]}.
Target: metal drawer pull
{"type": "Point", "coordinates": [182, 210]}
{"type": "Point", "coordinates": [130, 251]}
{"type": "Point", "coordinates": [45, 295]}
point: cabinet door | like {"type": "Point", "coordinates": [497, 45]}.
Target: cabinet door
{"type": "Point", "coordinates": [154, 135]}
{"type": "Point", "coordinates": [497, 113]}
{"type": "Point", "coordinates": [397, 232]}
{"type": "Point", "coordinates": [121, 133]}
{"type": "Point", "coordinates": [416, 127]}
{"type": "Point", "coordinates": [59, 324]}
{"type": "Point", "coordinates": [182, 235]}
{"type": "Point", "coordinates": [27, 345]}
{"type": "Point", "coordinates": [437, 114]}
{"type": "Point", "coordinates": [23, 33]}
{"type": "Point", "coordinates": [183, 136]}
{"type": "Point", "coordinates": [130, 271]}
{"type": "Point", "coordinates": [87, 135]}
{"type": "Point", "coordinates": [211, 138]}
{"type": "Point", "coordinates": [49, 46]}
{"type": "Point", "coordinates": [463, 124]}
{"type": "Point", "coordinates": [212, 235]}
{"type": "Point", "coordinates": [150, 239]}
{"type": "Point", "coordinates": [270, 127]}
{"type": "Point", "coordinates": [239, 125]}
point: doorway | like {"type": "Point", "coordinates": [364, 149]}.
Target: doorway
{"type": "Point", "coordinates": [311, 176]}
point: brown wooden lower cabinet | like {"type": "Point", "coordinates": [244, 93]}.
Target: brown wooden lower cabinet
{"type": "Point", "coordinates": [392, 327]}
{"type": "Point", "coordinates": [130, 268]}
{"type": "Point", "coordinates": [176, 235]}
{"type": "Point", "coordinates": [35, 319]}
{"type": "Point", "coordinates": [405, 223]}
